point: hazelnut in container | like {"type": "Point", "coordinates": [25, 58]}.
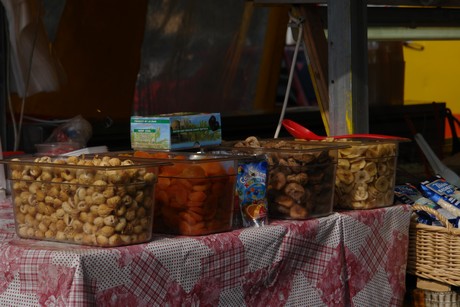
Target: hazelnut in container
{"type": "Point", "coordinates": [301, 175]}
{"type": "Point", "coordinates": [97, 201]}
{"type": "Point", "coordinates": [195, 194]}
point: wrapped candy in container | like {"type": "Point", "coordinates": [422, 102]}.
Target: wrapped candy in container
{"type": "Point", "coordinates": [366, 174]}
{"type": "Point", "coordinates": [251, 207]}
{"type": "Point", "coordinates": [195, 194]}
{"type": "Point", "coordinates": [98, 201]}
{"type": "Point", "coordinates": [301, 175]}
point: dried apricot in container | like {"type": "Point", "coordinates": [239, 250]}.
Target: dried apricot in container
{"type": "Point", "coordinates": [195, 195]}
{"type": "Point", "coordinates": [366, 174]}
{"type": "Point", "coordinates": [98, 201]}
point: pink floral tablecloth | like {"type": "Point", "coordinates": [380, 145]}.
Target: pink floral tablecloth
{"type": "Point", "coordinates": [346, 259]}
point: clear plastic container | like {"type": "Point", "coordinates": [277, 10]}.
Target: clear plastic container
{"type": "Point", "coordinates": [251, 205]}
{"type": "Point", "coordinates": [301, 175]}
{"type": "Point", "coordinates": [55, 149]}
{"type": "Point", "coordinates": [98, 201]}
{"type": "Point", "coordinates": [366, 174]}
{"type": "Point", "coordinates": [195, 195]}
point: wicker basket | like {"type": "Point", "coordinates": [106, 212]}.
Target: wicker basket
{"type": "Point", "coordinates": [434, 251]}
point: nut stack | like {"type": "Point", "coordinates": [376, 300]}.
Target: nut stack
{"type": "Point", "coordinates": [99, 201]}
{"type": "Point", "coordinates": [301, 177]}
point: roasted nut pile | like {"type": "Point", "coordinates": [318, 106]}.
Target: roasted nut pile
{"type": "Point", "coordinates": [300, 181]}
{"type": "Point", "coordinates": [103, 201]}
{"type": "Point", "coordinates": [365, 175]}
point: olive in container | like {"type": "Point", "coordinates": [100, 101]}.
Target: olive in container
{"type": "Point", "coordinates": [195, 195]}
{"type": "Point", "coordinates": [300, 175]}
{"type": "Point", "coordinates": [98, 201]}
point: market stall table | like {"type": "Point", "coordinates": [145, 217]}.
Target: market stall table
{"type": "Point", "coordinates": [355, 258]}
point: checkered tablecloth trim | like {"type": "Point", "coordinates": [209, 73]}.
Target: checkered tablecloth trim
{"type": "Point", "coordinates": [373, 253]}
{"type": "Point", "coordinates": [182, 258]}
{"type": "Point", "coordinates": [30, 265]}
{"type": "Point", "coordinates": [331, 230]}
{"type": "Point", "coordinates": [6, 236]}
{"type": "Point", "coordinates": [227, 267]}
{"type": "Point", "coordinates": [150, 279]}
{"type": "Point", "coordinates": [82, 291]}
{"type": "Point", "coordinates": [262, 245]}
{"type": "Point", "coordinates": [369, 230]}
{"type": "Point", "coordinates": [306, 255]}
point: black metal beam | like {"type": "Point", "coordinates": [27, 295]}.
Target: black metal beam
{"type": "Point", "coordinates": [413, 3]}
{"type": "Point", "coordinates": [408, 17]}
{"type": "Point", "coordinates": [391, 16]}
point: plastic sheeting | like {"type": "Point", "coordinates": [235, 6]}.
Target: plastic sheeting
{"type": "Point", "coordinates": [33, 67]}
{"type": "Point", "coordinates": [201, 56]}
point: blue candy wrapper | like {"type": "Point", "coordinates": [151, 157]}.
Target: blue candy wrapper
{"type": "Point", "coordinates": [442, 193]}
{"type": "Point", "coordinates": [251, 190]}
{"type": "Point", "coordinates": [409, 194]}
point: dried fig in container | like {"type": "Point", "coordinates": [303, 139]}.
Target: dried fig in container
{"type": "Point", "coordinates": [300, 178]}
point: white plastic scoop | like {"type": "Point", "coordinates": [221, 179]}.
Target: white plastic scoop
{"type": "Point", "coordinates": [87, 150]}
{"type": "Point", "coordinates": [436, 164]}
